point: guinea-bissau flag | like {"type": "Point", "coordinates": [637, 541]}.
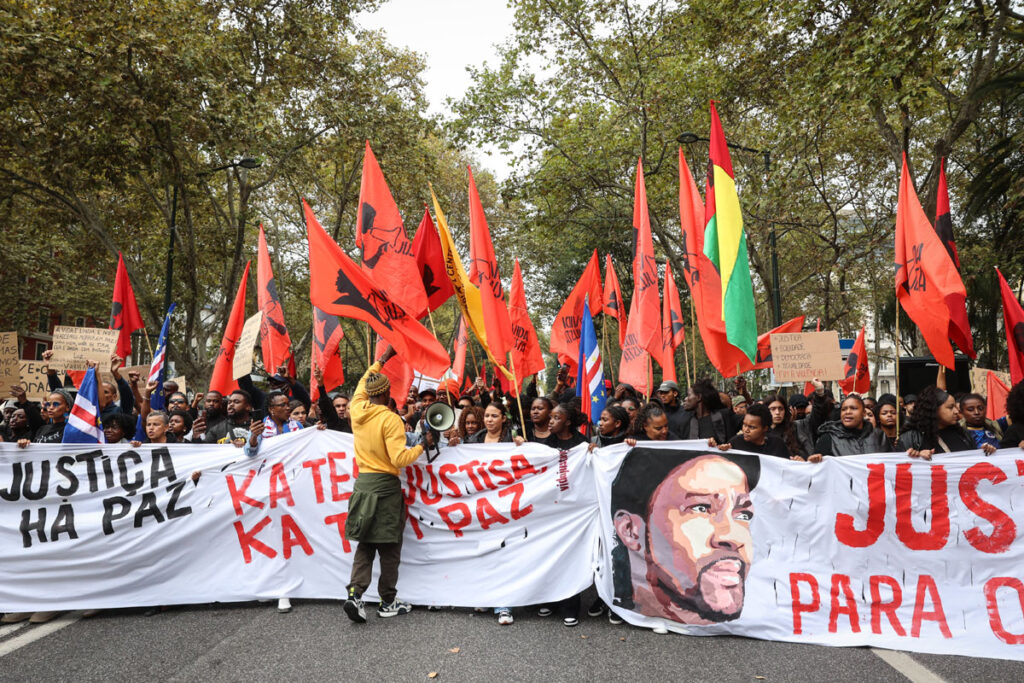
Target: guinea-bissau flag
{"type": "Point", "coordinates": [959, 327]}
{"type": "Point", "coordinates": [338, 286]}
{"type": "Point", "coordinates": [124, 311]}
{"type": "Point", "coordinates": [925, 277]}
{"type": "Point", "coordinates": [725, 244]}
{"type": "Point", "coordinates": [1013, 323]}
{"type": "Point", "coordinates": [275, 342]}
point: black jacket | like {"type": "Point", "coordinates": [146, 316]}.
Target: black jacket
{"type": "Point", "coordinates": [835, 439]}
{"type": "Point", "coordinates": [684, 424]}
{"type": "Point", "coordinates": [329, 416]}
{"type": "Point", "coordinates": [955, 439]}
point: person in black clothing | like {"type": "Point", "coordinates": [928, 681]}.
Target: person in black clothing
{"type": "Point", "coordinates": [17, 427]}
{"type": "Point", "coordinates": [235, 427]}
{"type": "Point", "coordinates": [565, 422]}
{"type": "Point", "coordinates": [56, 406]}
{"type": "Point", "coordinates": [934, 426]}
{"type": "Point", "coordinates": [668, 394]}
{"type": "Point", "coordinates": [539, 427]}
{"type": "Point", "coordinates": [1013, 436]}
{"type": "Point", "coordinates": [180, 425]}
{"type": "Point", "coordinates": [611, 427]}
{"type": "Point", "coordinates": [782, 424]}
{"type": "Point", "coordinates": [496, 427]}
{"type": "Point", "coordinates": [333, 407]}
{"type": "Point", "coordinates": [119, 429]}
{"type": "Point", "coordinates": [885, 417]}
{"type": "Point", "coordinates": [851, 434]}
{"type": "Point", "coordinates": [756, 435]}
{"type": "Point", "coordinates": [650, 423]}
{"type": "Point", "coordinates": [704, 416]}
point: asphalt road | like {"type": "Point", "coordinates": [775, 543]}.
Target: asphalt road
{"type": "Point", "coordinates": [316, 642]}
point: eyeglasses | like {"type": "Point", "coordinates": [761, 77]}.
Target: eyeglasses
{"type": "Point", "coordinates": [177, 400]}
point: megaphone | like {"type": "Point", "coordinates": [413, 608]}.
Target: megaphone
{"type": "Point", "coordinates": [439, 416]}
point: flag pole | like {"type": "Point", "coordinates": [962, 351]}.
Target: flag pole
{"type": "Point", "coordinates": [604, 339]}
{"type": "Point", "coordinates": [434, 330]}
{"type": "Point", "coordinates": [686, 362]}
{"type": "Point", "coordinates": [519, 401]}
{"type": "Point", "coordinates": [369, 346]}
{"type": "Point", "coordinates": [897, 367]}
{"type": "Point", "coordinates": [693, 335]}
{"type": "Point", "coordinates": [476, 368]}
{"type": "Point", "coordinates": [145, 333]}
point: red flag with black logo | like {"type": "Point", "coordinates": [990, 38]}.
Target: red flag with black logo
{"type": "Point", "coordinates": [426, 247]}
{"type": "Point", "coordinates": [646, 321]}
{"type": "Point", "coordinates": [857, 375]}
{"type": "Point", "coordinates": [338, 286]}
{"type": "Point", "coordinates": [1013, 322]}
{"type": "Point", "coordinates": [461, 342]}
{"type": "Point", "coordinates": [691, 222]}
{"type": "Point", "coordinates": [924, 274]}
{"type": "Point", "coordinates": [387, 253]}
{"type": "Point", "coordinates": [673, 332]}
{"type": "Point", "coordinates": [764, 341]}
{"type": "Point", "coordinates": [124, 312]}
{"type": "Point", "coordinates": [221, 380]}
{"type": "Point", "coordinates": [635, 367]}
{"type": "Point", "coordinates": [527, 358]}
{"type": "Point", "coordinates": [484, 272]}
{"type": "Point", "coordinates": [613, 303]}
{"type": "Point", "coordinates": [327, 336]}
{"type": "Point", "coordinates": [565, 331]}
{"type": "Point", "coordinates": [274, 339]}
{"type": "Point", "coordinates": [959, 327]}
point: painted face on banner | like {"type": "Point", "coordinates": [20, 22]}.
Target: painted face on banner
{"type": "Point", "coordinates": [699, 546]}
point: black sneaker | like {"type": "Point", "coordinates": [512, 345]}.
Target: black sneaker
{"type": "Point", "coordinates": [354, 607]}
{"type": "Point", "coordinates": [596, 609]}
{"type": "Point", "coordinates": [570, 621]}
{"type": "Point", "coordinates": [393, 609]}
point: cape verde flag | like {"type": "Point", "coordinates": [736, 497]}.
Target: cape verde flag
{"type": "Point", "coordinates": [156, 370]}
{"type": "Point", "coordinates": [84, 424]}
{"type": "Point", "coordinates": [590, 375]}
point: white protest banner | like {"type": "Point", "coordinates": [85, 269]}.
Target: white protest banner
{"type": "Point", "coordinates": [116, 526]}
{"type": "Point", "coordinates": [874, 550]}
{"type": "Point", "coordinates": [10, 374]}
{"type": "Point", "coordinates": [241, 364]}
{"type": "Point", "coordinates": [73, 346]}
{"type": "Point", "coordinates": [34, 379]}
{"type": "Point", "coordinates": [803, 356]}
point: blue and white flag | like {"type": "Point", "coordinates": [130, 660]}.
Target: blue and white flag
{"type": "Point", "coordinates": [84, 425]}
{"type": "Point", "coordinates": [156, 370]}
{"type": "Point", "coordinates": [590, 374]}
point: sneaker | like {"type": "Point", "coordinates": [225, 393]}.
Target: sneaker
{"type": "Point", "coordinates": [504, 617]}
{"type": "Point", "coordinates": [393, 609]}
{"type": "Point", "coordinates": [284, 605]}
{"type": "Point", "coordinates": [614, 618]}
{"type": "Point", "coordinates": [544, 612]}
{"type": "Point", "coordinates": [570, 621]}
{"type": "Point", "coordinates": [14, 617]}
{"type": "Point", "coordinates": [596, 609]}
{"type": "Point", "coordinates": [42, 617]}
{"type": "Point", "coordinates": [660, 630]}
{"type": "Point", "coordinates": [481, 610]}
{"type": "Point", "coordinates": [353, 607]}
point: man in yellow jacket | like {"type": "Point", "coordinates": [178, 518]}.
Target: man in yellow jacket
{"type": "Point", "coordinates": [376, 511]}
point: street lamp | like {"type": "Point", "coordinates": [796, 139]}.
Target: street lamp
{"type": "Point", "coordinates": [689, 139]}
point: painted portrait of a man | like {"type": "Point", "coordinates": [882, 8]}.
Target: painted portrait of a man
{"type": "Point", "coordinates": [682, 525]}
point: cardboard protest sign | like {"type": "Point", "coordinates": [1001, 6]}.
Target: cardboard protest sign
{"type": "Point", "coordinates": [143, 371]}
{"type": "Point", "coordinates": [978, 380]}
{"type": "Point", "coordinates": [803, 356]}
{"type": "Point", "coordinates": [33, 378]}
{"type": "Point", "coordinates": [241, 364]}
{"type": "Point", "coordinates": [9, 363]}
{"type": "Point", "coordinates": [73, 346]}
{"type": "Point", "coordinates": [180, 381]}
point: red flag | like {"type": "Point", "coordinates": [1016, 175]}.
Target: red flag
{"type": "Point", "coordinates": [858, 376]}
{"type": "Point", "coordinates": [613, 303]}
{"type": "Point", "coordinates": [959, 327]}
{"type": "Point", "coordinates": [124, 312]}
{"type": "Point", "coordinates": [274, 339]}
{"type": "Point", "coordinates": [764, 341]}
{"type": "Point", "coordinates": [673, 332]}
{"type": "Point", "coordinates": [222, 379]}
{"type": "Point", "coordinates": [484, 272]}
{"type": "Point", "coordinates": [808, 386]}
{"type": "Point", "coordinates": [996, 393]}
{"type": "Point", "coordinates": [399, 373]}
{"type": "Point", "coordinates": [526, 354]}
{"type": "Point", "coordinates": [338, 286]}
{"type": "Point", "coordinates": [461, 342]}
{"type": "Point", "coordinates": [635, 366]}
{"type": "Point", "coordinates": [647, 321]}
{"type": "Point", "coordinates": [703, 278]}
{"type": "Point", "coordinates": [387, 254]}
{"type": "Point", "coordinates": [426, 247]}
{"type": "Point", "coordinates": [924, 273]}
{"type": "Point", "coordinates": [565, 331]}
{"type": "Point", "coordinates": [1013, 322]}
{"type": "Point", "coordinates": [327, 336]}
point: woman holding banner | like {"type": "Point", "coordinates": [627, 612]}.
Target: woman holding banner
{"type": "Point", "coordinates": [934, 426]}
{"type": "Point", "coordinates": [851, 434]}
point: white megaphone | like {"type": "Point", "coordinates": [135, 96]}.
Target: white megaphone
{"type": "Point", "coordinates": [439, 417]}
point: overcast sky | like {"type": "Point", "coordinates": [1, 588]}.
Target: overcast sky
{"type": "Point", "coordinates": [451, 34]}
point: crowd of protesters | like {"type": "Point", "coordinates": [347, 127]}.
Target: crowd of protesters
{"type": "Point", "coordinates": [800, 427]}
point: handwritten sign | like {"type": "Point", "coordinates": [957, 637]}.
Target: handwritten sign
{"type": "Point", "coordinates": [241, 364]}
{"type": "Point", "coordinates": [33, 378]}
{"type": "Point", "coordinates": [143, 371]}
{"type": "Point", "coordinates": [73, 346]}
{"type": "Point", "coordinates": [9, 363]}
{"type": "Point", "coordinates": [802, 356]}
{"type": "Point", "coordinates": [180, 381]}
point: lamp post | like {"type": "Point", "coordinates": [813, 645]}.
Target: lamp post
{"type": "Point", "coordinates": [690, 138]}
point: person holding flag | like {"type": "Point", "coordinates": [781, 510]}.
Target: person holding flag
{"type": "Point", "coordinates": [83, 424]}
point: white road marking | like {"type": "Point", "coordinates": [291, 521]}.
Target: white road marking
{"type": "Point", "coordinates": [915, 671]}
{"type": "Point", "coordinates": [8, 629]}
{"type": "Point", "coordinates": [37, 632]}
